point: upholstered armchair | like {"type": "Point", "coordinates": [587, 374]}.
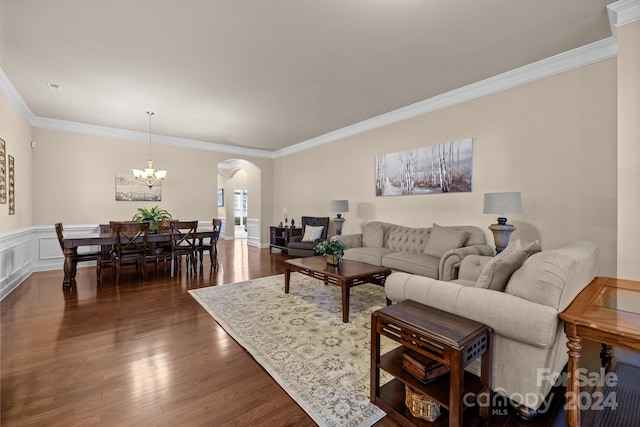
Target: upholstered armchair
{"type": "Point", "coordinates": [314, 229]}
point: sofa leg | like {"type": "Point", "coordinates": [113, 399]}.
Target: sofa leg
{"type": "Point", "coordinates": [388, 301]}
{"type": "Point", "coordinates": [524, 412]}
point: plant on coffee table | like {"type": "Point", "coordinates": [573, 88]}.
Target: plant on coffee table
{"type": "Point", "coordinates": [333, 250]}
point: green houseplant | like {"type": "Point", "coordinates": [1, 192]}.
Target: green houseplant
{"type": "Point", "coordinates": [333, 250]}
{"type": "Point", "coordinates": [152, 216]}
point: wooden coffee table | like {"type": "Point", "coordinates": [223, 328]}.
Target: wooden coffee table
{"type": "Point", "coordinates": [606, 311]}
{"type": "Point", "coordinates": [346, 275]}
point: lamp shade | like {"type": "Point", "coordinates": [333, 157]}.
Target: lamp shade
{"type": "Point", "coordinates": [339, 206]}
{"type": "Point", "coordinates": [502, 203]}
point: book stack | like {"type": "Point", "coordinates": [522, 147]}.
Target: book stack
{"type": "Point", "coordinates": [422, 367]}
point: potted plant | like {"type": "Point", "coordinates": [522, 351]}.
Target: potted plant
{"type": "Point", "coordinates": [333, 250]}
{"type": "Point", "coordinates": [152, 216]}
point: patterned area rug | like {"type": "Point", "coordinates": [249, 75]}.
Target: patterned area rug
{"type": "Point", "coordinates": [299, 338]}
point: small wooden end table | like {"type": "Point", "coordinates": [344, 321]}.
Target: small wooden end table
{"type": "Point", "coordinates": [347, 274]}
{"type": "Point", "coordinates": [438, 335]}
{"type": "Point", "coordinates": [606, 311]}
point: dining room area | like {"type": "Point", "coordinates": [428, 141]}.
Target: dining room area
{"type": "Point", "coordinates": [136, 248]}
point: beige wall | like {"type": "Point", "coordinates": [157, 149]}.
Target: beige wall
{"type": "Point", "coordinates": [629, 151]}
{"type": "Point", "coordinates": [553, 139]}
{"type": "Point", "coordinates": [75, 178]}
{"type": "Point", "coordinates": [16, 133]}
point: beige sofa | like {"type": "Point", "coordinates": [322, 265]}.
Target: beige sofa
{"type": "Point", "coordinates": [529, 341]}
{"type": "Point", "coordinates": [434, 252]}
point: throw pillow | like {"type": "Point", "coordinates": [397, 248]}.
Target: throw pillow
{"type": "Point", "coordinates": [312, 233]}
{"type": "Point", "coordinates": [442, 239]}
{"type": "Point", "coordinates": [496, 273]}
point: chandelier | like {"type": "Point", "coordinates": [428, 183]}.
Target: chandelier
{"type": "Point", "coordinates": [149, 175]}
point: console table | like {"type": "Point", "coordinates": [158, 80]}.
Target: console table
{"type": "Point", "coordinates": [440, 336]}
{"type": "Point", "coordinates": [606, 311]}
{"type": "Point", "coordinates": [280, 236]}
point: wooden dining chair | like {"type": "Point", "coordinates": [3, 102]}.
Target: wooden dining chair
{"type": "Point", "coordinates": [184, 235]}
{"type": "Point", "coordinates": [131, 246]}
{"type": "Point", "coordinates": [80, 257]}
{"type": "Point", "coordinates": [211, 246]}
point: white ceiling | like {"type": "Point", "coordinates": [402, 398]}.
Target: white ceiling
{"type": "Point", "coordinates": [268, 74]}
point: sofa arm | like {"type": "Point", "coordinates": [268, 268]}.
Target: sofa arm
{"type": "Point", "coordinates": [351, 240]}
{"type": "Point", "coordinates": [450, 261]}
{"type": "Point", "coordinates": [471, 267]}
{"type": "Point", "coordinates": [506, 314]}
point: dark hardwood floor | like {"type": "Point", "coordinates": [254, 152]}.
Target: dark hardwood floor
{"type": "Point", "coordinates": [141, 353]}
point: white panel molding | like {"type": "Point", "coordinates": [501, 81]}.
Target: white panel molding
{"type": "Point", "coordinates": [253, 232]}
{"type": "Point", "coordinates": [15, 259]}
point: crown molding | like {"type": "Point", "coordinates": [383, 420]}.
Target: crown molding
{"type": "Point", "coordinates": [14, 97]}
{"type": "Point", "coordinates": [621, 13]}
{"type": "Point", "coordinates": [108, 132]}
{"type": "Point", "coordinates": [585, 55]}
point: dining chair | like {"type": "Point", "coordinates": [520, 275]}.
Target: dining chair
{"type": "Point", "coordinates": [212, 246]}
{"type": "Point", "coordinates": [80, 257]}
{"type": "Point", "coordinates": [183, 243]}
{"type": "Point", "coordinates": [131, 246]}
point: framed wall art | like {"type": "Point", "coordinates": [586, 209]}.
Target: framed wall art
{"type": "Point", "coordinates": [440, 168]}
{"type": "Point", "coordinates": [12, 186]}
{"type": "Point", "coordinates": [220, 197]}
{"type": "Point", "coordinates": [3, 171]}
{"type": "Point", "coordinates": [130, 189]}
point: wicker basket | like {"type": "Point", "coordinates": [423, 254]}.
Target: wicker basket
{"type": "Point", "coordinates": [421, 406]}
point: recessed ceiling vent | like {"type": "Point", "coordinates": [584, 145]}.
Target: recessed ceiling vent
{"type": "Point", "coordinates": [54, 87]}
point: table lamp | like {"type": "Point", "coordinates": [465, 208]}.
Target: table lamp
{"type": "Point", "coordinates": [502, 204]}
{"type": "Point", "coordinates": [339, 206]}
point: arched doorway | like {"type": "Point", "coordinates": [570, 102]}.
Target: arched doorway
{"type": "Point", "coordinates": [240, 181]}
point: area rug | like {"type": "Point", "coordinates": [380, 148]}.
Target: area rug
{"type": "Point", "coordinates": [300, 340]}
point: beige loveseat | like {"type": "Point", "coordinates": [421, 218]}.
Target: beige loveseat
{"type": "Point", "coordinates": [433, 252]}
{"type": "Point", "coordinates": [529, 341]}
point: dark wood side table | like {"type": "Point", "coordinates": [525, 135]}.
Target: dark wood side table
{"type": "Point", "coordinates": [441, 336]}
{"type": "Point", "coordinates": [280, 236]}
{"type": "Point", "coordinates": [606, 311]}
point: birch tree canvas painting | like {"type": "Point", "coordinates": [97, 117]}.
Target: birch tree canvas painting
{"type": "Point", "coordinates": [440, 168]}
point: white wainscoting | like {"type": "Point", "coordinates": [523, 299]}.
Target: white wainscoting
{"type": "Point", "coordinates": [253, 232]}
{"type": "Point", "coordinates": [15, 259]}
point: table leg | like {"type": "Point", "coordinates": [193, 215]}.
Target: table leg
{"type": "Point", "coordinates": [345, 301]}
{"type": "Point", "coordinates": [606, 354]}
{"type": "Point", "coordinates": [69, 267]}
{"type": "Point", "coordinates": [375, 359]}
{"type": "Point", "coordinates": [456, 385]}
{"type": "Point", "coordinates": [572, 411]}
{"type": "Point", "coordinates": [287, 277]}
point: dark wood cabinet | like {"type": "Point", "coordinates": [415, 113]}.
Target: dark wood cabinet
{"type": "Point", "coordinates": [280, 236]}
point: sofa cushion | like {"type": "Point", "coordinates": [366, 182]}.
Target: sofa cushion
{"type": "Point", "coordinates": [312, 233]}
{"type": "Point", "coordinates": [369, 255]}
{"type": "Point", "coordinates": [423, 265]}
{"type": "Point", "coordinates": [406, 239]}
{"type": "Point", "coordinates": [497, 271]}
{"type": "Point", "coordinates": [373, 235]}
{"type": "Point", "coordinates": [443, 239]}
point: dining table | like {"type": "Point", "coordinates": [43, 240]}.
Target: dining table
{"type": "Point", "coordinates": [107, 238]}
